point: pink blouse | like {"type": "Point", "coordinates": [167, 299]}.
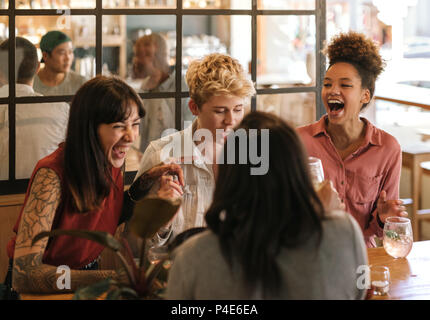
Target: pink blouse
{"type": "Point", "coordinates": [360, 177]}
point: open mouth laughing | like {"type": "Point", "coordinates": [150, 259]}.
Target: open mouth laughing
{"type": "Point", "coordinates": [336, 107]}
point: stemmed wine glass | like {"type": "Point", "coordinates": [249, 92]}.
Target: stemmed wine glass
{"type": "Point", "coordinates": [398, 236]}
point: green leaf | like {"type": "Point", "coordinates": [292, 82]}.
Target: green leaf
{"type": "Point", "coordinates": [128, 293]}
{"type": "Point", "coordinates": [101, 237]}
{"type": "Point", "coordinates": [392, 235]}
{"type": "Point", "coordinates": [118, 293]}
{"type": "Point", "coordinates": [151, 213]}
{"type": "Point", "coordinates": [153, 271]}
{"type": "Point", "coordinates": [93, 291]}
{"type": "Point", "coordinates": [113, 294]}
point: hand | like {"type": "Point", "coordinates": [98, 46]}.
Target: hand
{"type": "Point", "coordinates": [137, 71]}
{"type": "Point", "coordinates": [161, 169]}
{"type": "Point", "coordinates": [169, 188]}
{"type": "Point", "coordinates": [389, 208]}
{"type": "Point", "coordinates": [329, 197]}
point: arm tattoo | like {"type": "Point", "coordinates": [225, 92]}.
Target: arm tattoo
{"type": "Point", "coordinates": [29, 274]}
{"type": "Point", "coordinates": [40, 208]}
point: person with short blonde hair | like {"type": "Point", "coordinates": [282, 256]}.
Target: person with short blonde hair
{"type": "Point", "coordinates": [219, 91]}
{"type": "Point", "coordinates": [217, 74]}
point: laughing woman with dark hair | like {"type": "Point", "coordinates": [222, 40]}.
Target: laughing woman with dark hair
{"type": "Point", "coordinates": [79, 186]}
{"type": "Point", "coordinates": [362, 161]}
{"type": "Point", "coordinates": [269, 236]}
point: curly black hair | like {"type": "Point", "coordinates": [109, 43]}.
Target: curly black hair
{"type": "Point", "coordinates": [362, 52]}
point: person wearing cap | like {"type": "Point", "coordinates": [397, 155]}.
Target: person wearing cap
{"type": "Point", "coordinates": [56, 78]}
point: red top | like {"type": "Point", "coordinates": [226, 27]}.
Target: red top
{"type": "Point", "coordinates": [72, 251]}
{"type": "Point", "coordinates": [360, 178]}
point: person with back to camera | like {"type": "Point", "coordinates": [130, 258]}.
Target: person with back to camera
{"type": "Point", "coordinates": [151, 65]}
{"type": "Point", "coordinates": [269, 236]}
{"type": "Point", "coordinates": [56, 77]}
{"type": "Point", "coordinates": [80, 186]}
{"type": "Point", "coordinates": [363, 162]}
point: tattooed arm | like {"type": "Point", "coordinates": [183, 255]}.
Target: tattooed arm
{"type": "Point", "coordinates": [29, 272]}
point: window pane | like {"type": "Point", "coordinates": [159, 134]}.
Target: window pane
{"type": "Point", "coordinates": [147, 4]}
{"type": "Point", "coordinates": [296, 108]}
{"type": "Point", "coordinates": [39, 129]}
{"type": "Point", "coordinates": [186, 113]}
{"type": "Point", "coordinates": [286, 51]}
{"type": "Point", "coordinates": [160, 116]}
{"type": "Point", "coordinates": [217, 4]}
{"type": "Point", "coordinates": [4, 57]}
{"type": "Point", "coordinates": [115, 44]}
{"type": "Point", "coordinates": [286, 4]}
{"type": "Point", "coordinates": [55, 4]}
{"type": "Point", "coordinates": [203, 35]}
{"type": "Point", "coordinates": [4, 142]}
{"type": "Point", "coordinates": [141, 50]}
{"type": "Point", "coordinates": [74, 60]}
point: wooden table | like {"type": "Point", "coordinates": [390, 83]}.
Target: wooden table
{"type": "Point", "coordinates": [62, 296]}
{"type": "Point", "coordinates": [410, 277]}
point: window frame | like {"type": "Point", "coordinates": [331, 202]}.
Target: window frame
{"type": "Point", "coordinates": [15, 186]}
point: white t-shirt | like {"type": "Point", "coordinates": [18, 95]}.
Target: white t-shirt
{"type": "Point", "coordinates": [198, 177]}
{"type": "Point", "coordinates": [40, 127]}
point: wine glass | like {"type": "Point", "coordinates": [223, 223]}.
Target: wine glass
{"type": "Point", "coordinates": [316, 171]}
{"type": "Point", "coordinates": [157, 253]}
{"type": "Point", "coordinates": [398, 236]}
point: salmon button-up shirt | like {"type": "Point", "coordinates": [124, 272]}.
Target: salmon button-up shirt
{"type": "Point", "coordinates": [361, 176]}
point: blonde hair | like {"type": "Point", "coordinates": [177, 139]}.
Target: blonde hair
{"type": "Point", "coordinates": [217, 74]}
{"type": "Point", "coordinates": [162, 53]}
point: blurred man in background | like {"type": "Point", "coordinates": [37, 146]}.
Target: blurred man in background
{"type": "Point", "coordinates": [56, 78]}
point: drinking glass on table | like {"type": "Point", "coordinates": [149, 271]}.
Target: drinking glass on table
{"type": "Point", "coordinates": [316, 170]}
{"type": "Point", "coordinates": [380, 280]}
{"type": "Point", "coordinates": [398, 236]}
{"type": "Point", "coordinates": [157, 253]}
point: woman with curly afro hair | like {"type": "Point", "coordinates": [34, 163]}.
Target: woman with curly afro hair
{"type": "Point", "coordinates": [362, 161]}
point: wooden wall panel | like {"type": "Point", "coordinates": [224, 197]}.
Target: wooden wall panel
{"type": "Point", "coordinates": [9, 210]}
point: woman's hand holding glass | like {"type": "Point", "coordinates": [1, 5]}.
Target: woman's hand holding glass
{"type": "Point", "coordinates": [316, 171]}
{"type": "Point", "coordinates": [329, 197]}
{"type": "Point", "coordinates": [389, 208]}
{"type": "Point", "coordinates": [170, 187]}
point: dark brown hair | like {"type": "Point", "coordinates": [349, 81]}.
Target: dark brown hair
{"type": "Point", "coordinates": [255, 216]}
{"type": "Point", "coordinates": [26, 61]}
{"type": "Point", "coordinates": [361, 52]}
{"type": "Point", "coordinates": [86, 169]}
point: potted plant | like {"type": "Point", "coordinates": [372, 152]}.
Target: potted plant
{"type": "Point", "coordinates": [149, 215]}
